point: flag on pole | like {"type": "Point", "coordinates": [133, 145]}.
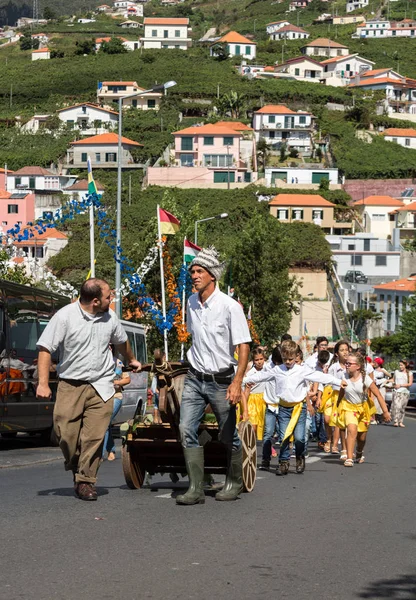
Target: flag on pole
{"type": "Point", "coordinates": [169, 224]}
{"type": "Point", "coordinates": [92, 188]}
{"type": "Point", "coordinates": [190, 251]}
{"type": "Point", "coordinates": [305, 329]}
{"type": "Point", "coordinates": [249, 313]}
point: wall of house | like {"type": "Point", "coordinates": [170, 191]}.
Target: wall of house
{"type": "Point", "coordinates": [303, 71]}
{"type": "Point", "coordinates": [313, 282]}
{"type": "Point", "coordinates": [42, 182]}
{"type": "Point", "coordinates": [91, 114]}
{"type": "Point", "coordinates": [200, 149]}
{"type": "Point", "coordinates": [346, 260]}
{"type": "Point", "coordinates": [25, 211]}
{"type": "Point", "coordinates": [191, 177]}
{"type": "Point", "coordinates": [328, 52]}
{"type": "Point", "coordinates": [361, 188]}
{"type": "Point", "coordinates": [377, 220]}
{"type": "Point", "coordinates": [328, 214]}
{"type": "Point", "coordinates": [300, 176]}
{"type": "Point", "coordinates": [390, 304]}
{"type": "Point", "coordinates": [102, 150]}
{"type": "Point", "coordinates": [317, 315]}
{"type": "Point", "coordinates": [402, 141]}
{"type": "Point", "coordinates": [40, 55]}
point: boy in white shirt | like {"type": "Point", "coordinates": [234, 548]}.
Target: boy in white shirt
{"type": "Point", "coordinates": [291, 387]}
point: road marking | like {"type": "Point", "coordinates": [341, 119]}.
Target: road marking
{"type": "Point", "coordinates": [312, 459]}
{"type": "Point", "coordinates": [165, 496]}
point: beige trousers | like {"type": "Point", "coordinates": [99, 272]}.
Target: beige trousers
{"type": "Point", "coordinates": [81, 418]}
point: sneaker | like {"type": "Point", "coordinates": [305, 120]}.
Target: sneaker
{"type": "Point", "coordinates": [306, 455]}
{"type": "Point", "coordinates": [265, 465]}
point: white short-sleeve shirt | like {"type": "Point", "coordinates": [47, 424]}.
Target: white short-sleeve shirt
{"type": "Point", "coordinates": [354, 392]}
{"type": "Point", "coordinates": [217, 326]}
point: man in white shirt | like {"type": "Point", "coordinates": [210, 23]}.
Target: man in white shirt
{"type": "Point", "coordinates": [217, 325]}
{"type": "Point", "coordinates": [81, 333]}
{"type": "Point", "coordinates": [321, 344]}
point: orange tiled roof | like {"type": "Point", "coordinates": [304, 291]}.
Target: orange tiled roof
{"type": "Point", "coordinates": [407, 207]}
{"type": "Point", "coordinates": [50, 233]}
{"type": "Point", "coordinates": [400, 132]}
{"type": "Point", "coordinates": [236, 125]}
{"type": "Point", "coordinates": [165, 21]}
{"type": "Point", "coordinates": [104, 138]}
{"type": "Point", "coordinates": [278, 109]}
{"type": "Point", "coordinates": [376, 81]}
{"type": "Point", "coordinates": [82, 185]}
{"type": "Point", "coordinates": [400, 285]}
{"type": "Point", "coordinates": [232, 37]}
{"type": "Point", "coordinates": [269, 69]}
{"type": "Point", "coordinates": [373, 72]}
{"type": "Point", "coordinates": [4, 171]}
{"type": "Point", "coordinates": [291, 28]}
{"type": "Point", "coordinates": [213, 129]}
{"type": "Point", "coordinates": [4, 194]}
{"type": "Point", "coordinates": [97, 106]}
{"type": "Point", "coordinates": [378, 201]}
{"type": "Point", "coordinates": [299, 200]}
{"type": "Point", "coordinates": [34, 171]}
{"type": "Point", "coordinates": [108, 39]}
{"type": "Point", "coordinates": [40, 50]}
{"type": "Point", "coordinates": [324, 43]}
{"type": "Point", "coordinates": [122, 83]}
{"type": "Point", "coordinates": [341, 58]}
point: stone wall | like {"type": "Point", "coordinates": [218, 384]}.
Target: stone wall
{"type": "Point", "coordinates": [361, 188]}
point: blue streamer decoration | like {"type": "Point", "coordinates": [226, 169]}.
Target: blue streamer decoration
{"type": "Point", "coordinates": [108, 233]}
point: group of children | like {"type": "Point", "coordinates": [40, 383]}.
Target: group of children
{"type": "Point", "coordinates": [283, 396]}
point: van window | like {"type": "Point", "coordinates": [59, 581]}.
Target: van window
{"type": "Point", "coordinates": [130, 337]}
{"type": "Point", "coordinates": [140, 347]}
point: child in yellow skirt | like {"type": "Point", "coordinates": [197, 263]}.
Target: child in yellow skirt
{"type": "Point", "coordinates": [256, 406]}
{"type": "Point", "coordinates": [355, 407]}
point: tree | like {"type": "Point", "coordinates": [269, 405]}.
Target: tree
{"type": "Point", "coordinates": [85, 47]}
{"type": "Point", "coordinates": [15, 273]}
{"type": "Point", "coordinates": [408, 330]}
{"type": "Point", "coordinates": [57, 54]}
{"type": "Point", "coordinates": [262, 152]}
{"type": "Point", "coordinates": [220, 52]}
{"type": "Point", "coordinates": [282, 156]}
{"type": "Point", "coordinates": [114, 46]}
{"type": "Point", "coordinates": [49, 14]}
{"type": "Point", "coordinates": [232, 104]}
{"type": "Point", "coordinates": [324, 184]}
{"type": "Point", "coordinates": [26, 42]}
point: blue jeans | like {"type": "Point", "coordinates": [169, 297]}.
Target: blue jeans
{"type": "Point", "coordinates": [320, 427]}
{"type": "Point", "coordinates": [270, 420]}
{"type": "Point", "coordinates": [195, 397]}
{"type": "Point", "coordinates": [109, 445]}
{"type": "Point", "coordinates": [308, 427]}
{"type": "Point", "coordinates": [284, 416]}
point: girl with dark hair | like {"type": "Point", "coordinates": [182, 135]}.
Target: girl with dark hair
{"type": "Point", "coordinates": [256, 406]}
{"type": "Point", "coordinates": [403, 379]}
{"type": "Point", "coordinates": [355, 408]}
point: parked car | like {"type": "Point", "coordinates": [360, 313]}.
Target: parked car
{"type": "Point", "coordinates": [355, 277]}
{"type": "Point", "coordinates": [412, 389]}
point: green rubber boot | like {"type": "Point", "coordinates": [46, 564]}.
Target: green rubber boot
{"type": "Point", "coordinates": [234, 481]}
{"type": "Point", "coordinates": [194, 460]}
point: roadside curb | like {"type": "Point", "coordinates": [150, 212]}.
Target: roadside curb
{"type": "Point", "coordinates": [41, 461]}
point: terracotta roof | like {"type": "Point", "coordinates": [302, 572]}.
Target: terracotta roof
{"type": "Point", "coordinates": [165, 21]}
{"type": "Point", "coordinates": [291, 28]}
{"type": "Point", "coordinates": [82, 185]}
{"type": "Point", "coordinates": [407, 207]}
{"type": "Point", "coordinates": [108, 39]}
{"type": "Point", "coordinates": [122, 83]}
{"type": "Point", "coordinates": [269, 69]}
{"type": "Point", "coordinates": [214, 129]}
{"type": "Point", "coordinates": [376, 81]}
{"type": "Point", "coordinates": [104, 138]}
{"type": "Point", "coordinates": [291, 61]}
{"type": "Point", "coordinates": [400, 285]}
{"type": "Point", "coordinates": [97, 106]}
{"type": "Point", "coordinates": [34, 35]}
{"type": "Point", "coordinates": [378, 201]}
{"type": "Point", "coordinates": [50, 233]}
{"type": "Point", "coordinates": [373, 72]}
{"type": "Point", "coordinates": [299, 200]}
{"type": "Point", "coordinates": [233, 37]}
{"type": "Point", "coordinates": [346, 57]}
{"type": "Point", "coordinates": [33, 171]}
{"type": "Point", "coordinates": [325, 43]}
{"type": "Point", "coordinates": [4, 194]}
{"type": "Point", "coordinates": [400, 132]}
{"type": "Point", "coordinates": [236, 125]}
{"type": "Point", "coordinates": [278, 109]}
{"type": "Point", "coordinates": [4, 171]}
{"type": "Point", "coordinates": [40, 50]}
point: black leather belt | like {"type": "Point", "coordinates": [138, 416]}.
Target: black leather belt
{"type": "Point", "coordinates": [220, 377]}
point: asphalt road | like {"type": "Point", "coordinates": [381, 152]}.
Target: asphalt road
{"type": "Point", "coordinates": [332, 533]}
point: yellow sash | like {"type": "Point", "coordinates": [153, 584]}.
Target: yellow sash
{"type": "Point", "coordinates": [297, 409]}
{"type": "Point", "coordinates": [363, 412]}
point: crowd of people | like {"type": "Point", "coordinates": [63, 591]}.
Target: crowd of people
{"type": "Point", "coordinates": [333, 396]}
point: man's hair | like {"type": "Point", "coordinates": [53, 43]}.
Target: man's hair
{"type": "Point", "coordinates": [321, 339]}
{"type": "Point", "coordinates": [276, 356]}
{"type": "Point", "coordinates": [286, 337]}
{"type": "Point", "coordinates": [323, 357]}
{"type": "Point", "coordinates": [289, 348]}
{"type": "Point", "coordinates": [91, 289]}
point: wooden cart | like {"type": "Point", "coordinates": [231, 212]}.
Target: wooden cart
{"type": "Point", "coordinates": [155, 448]}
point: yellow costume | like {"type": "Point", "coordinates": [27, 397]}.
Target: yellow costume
{"type": "Point", "coordinates": [256, 410]}
{"type": "Point", "coordinates": [355, 414]}
{"type": "Point", "coordinates": [328, 406]}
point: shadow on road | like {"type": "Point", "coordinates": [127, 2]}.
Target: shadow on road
{"type": "Point", "coordinates": [402, 587]}
{"type": "Point", "coordinates": [69, 491]}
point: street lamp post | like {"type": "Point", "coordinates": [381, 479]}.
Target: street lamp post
{"type": "Point", "coordinates": [156, 88]}
{"type": "Point", "coordinates": [221, 216]}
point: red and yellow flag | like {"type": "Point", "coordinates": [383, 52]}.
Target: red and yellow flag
{"type": "Point", "coordinates": [169, 224]}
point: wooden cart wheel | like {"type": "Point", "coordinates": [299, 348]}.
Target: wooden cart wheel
{"type": "Point", "coordinates": [133, 473]}
{"type": "Point", "coordinates": [248, 441]}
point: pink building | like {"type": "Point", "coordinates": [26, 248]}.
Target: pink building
{"type": "Point", "coordinates": [16, 209]}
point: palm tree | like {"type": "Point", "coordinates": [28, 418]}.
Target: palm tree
{"type": "Point", "coordinates": [231, 104]}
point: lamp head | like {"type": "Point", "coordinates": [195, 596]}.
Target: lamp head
{"type": "Point", "coordinates": [223, 215]}
{"type": "Point", "coordinates": [163, 86]}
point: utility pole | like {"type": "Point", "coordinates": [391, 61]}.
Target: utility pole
{"type": "Point", "coordinates": [129, 190]}
{"type": "Point", "coordinates": [11, 94]}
